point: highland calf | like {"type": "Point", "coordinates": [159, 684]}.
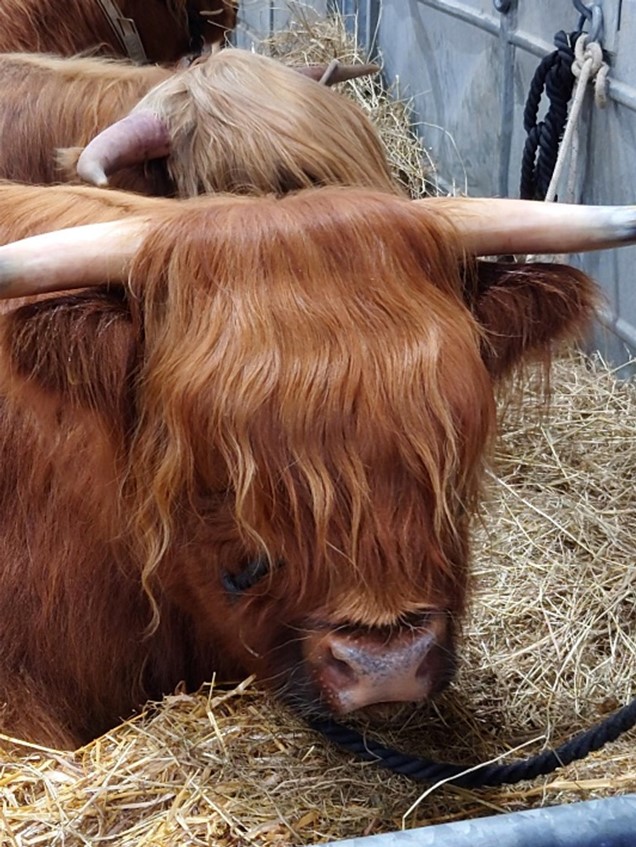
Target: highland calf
{"type": "Point", "coordinates": [233, 122]}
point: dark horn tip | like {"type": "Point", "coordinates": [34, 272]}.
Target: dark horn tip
{"type": "Point", "coordinates": [335, 71]}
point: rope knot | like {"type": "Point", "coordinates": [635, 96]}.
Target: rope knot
{"type": "Point", "coordinates": [589, 64]}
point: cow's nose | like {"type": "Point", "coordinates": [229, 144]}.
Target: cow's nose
{"type": "Point", "coordinates": [353, 669]}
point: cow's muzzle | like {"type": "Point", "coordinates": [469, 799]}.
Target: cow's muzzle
{"type": "Point", "coordinates": [352, 668]}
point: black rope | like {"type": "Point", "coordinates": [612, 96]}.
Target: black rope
{"type": "Point", "coordinates": [427, 770]}
{"type": "Point", "coordinates": [554, 76]}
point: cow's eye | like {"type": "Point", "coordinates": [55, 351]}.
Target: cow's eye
{"type": "Point", "coordinates": [235, 583]}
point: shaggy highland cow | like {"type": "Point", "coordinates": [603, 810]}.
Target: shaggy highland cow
{"type": "Point", "coordinates": [259, 447]}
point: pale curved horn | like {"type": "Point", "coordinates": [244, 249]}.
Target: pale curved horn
{"type": "Point", "coordinates": [78, 257]}
{"type": "Point", "coordinates": [130, 141]}
{"type": "Point", "coordinates": [100, 253]}
{"type": "Point", "coordinates": [493, 226]}
{"type": "Point", "coordinates": [335, 72]}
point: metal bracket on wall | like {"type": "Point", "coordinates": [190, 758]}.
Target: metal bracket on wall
{"type": "Point", "coordinates": [594, 16]}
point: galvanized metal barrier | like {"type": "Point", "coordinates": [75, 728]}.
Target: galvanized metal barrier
{"type": "Point", "coordinates": [594, 823]}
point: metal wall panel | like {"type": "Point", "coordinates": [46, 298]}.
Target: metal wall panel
{"type": "Point", "coordinates": [447, 64]}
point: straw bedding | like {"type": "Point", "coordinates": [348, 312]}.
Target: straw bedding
{"type": "Point", "coordinates": [549, 648]}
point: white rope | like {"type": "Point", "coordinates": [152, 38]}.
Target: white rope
{"type": "Point", "coordinates": [588, 65]}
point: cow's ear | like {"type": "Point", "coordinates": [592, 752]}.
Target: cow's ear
{"type": "Point", "coordinates": [66, 159]}
{"type": "Point", "coordinates": [76, 350]}
{"type": "Point", "coordinates": [524, 308]}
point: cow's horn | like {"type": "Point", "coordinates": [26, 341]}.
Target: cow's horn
{"type": "Point", "coordinates": [336, 72]}
{"type": "Point", "coordinates": [492, 227]}
{"type": "Point", "coordinates": [78, 257]}
{"type": "Point", "coordinates": [132, 140]}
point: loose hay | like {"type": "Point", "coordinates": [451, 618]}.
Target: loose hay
{"type": "Point", "coordinates": [550, 648]}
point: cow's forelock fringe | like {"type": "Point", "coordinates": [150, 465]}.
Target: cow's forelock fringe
{"type": "Point", "coordinates": [266, 128]}
{"type": "Point", "coordinates": [314, 364]}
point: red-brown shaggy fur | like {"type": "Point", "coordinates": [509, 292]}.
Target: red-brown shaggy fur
{"type": "Point", "coordinates": [47, 102]}
{"type": "Point", "coordinates": [67, 27]}
{"type": "Point", "coordinates": [239, 123]}
{"type": "Point", "coordinates": [301, 379]}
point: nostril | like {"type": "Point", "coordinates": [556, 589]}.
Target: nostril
{"type": "Point", "coordinates": [340, 650]}
{"type": "Point", "coordinates": [338, 665]}
{"type": "Point", "coordinates": [426, 666]}
{"type": "Point", "coordinates": [335, 666]}
{"type": "Point", "coordinates": [436, 668]}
